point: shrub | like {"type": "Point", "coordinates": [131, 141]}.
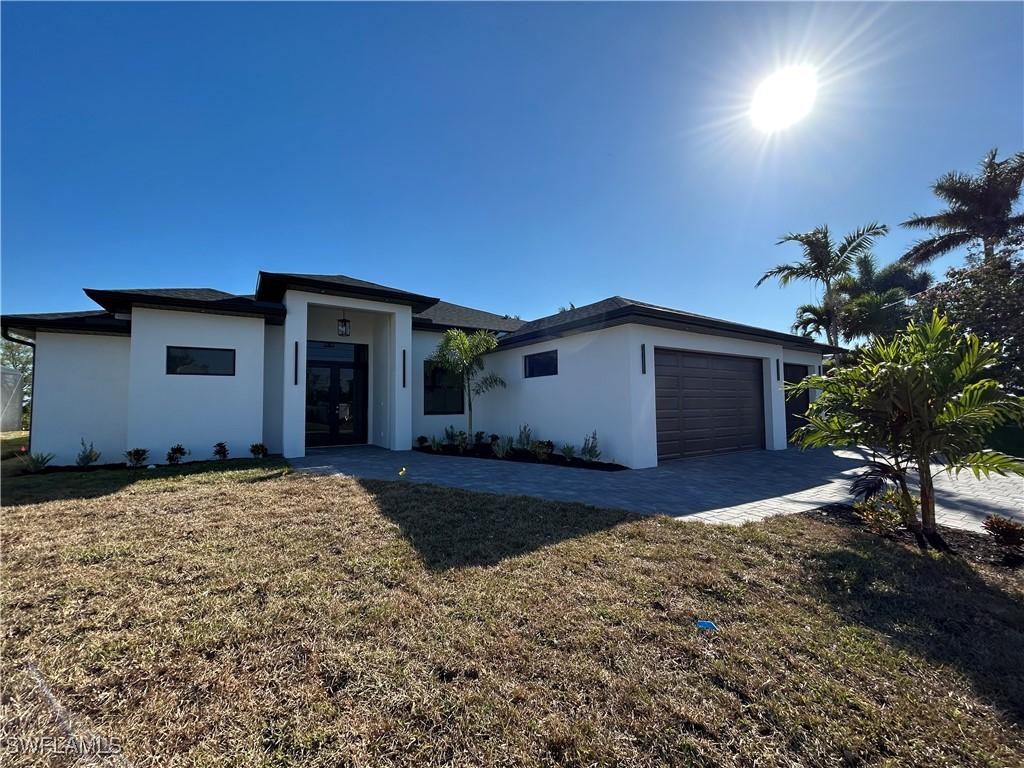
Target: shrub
{"type": "Point", "coordinates": [435, 444]}
{"type": "Point", "coordinates": [258, 451]}
{"type": "Point", "coordinates": [502, 446]}
{"type": "Point", "coordinates": [525, 439]}
{"type": "Point", "coordinates": [88, 455]}
{"type": "Point", "coordinates": [136, 457]}
{"type": "Point", "coordinates": [220, 450]}
{"type": "Point", "coordinates": [478, 437]}
{"type": "Point", "coordinates": [541, 449]}
{"type": "Point", "coordinates": [422, 441]}
{"type": "Point", "coordinates": [34, 462]}
{"type": "Point", "coordinates": [590, 450]}
{"type": "Point", "coordinates": [883, 512]}
{"type": "Point", "coordinates": [568, 450]}
{"type": "Point", "coordinates": [176, 453]}
{"type": "Point", "coordinates": [1007, 533]}
{"type": "Point", "coordinates": [456, 438]}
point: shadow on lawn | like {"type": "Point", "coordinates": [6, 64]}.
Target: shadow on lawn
{"type": "Point", "coordinates": [453, 528]}
{"type": "Point", "coordinates": [57, 486]}
{"type": "Point", "coordinates": [934, 607]}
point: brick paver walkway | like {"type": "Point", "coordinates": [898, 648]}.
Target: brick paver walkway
{"type": "Point", "coordinates": [732, 488]}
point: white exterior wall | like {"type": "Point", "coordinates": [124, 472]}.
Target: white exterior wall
{"type": "Point", "coordinates": [273, 360]}
{"type": "Point", "coordinates": [80, 391]}
{"type": "Point", "coordinates": [386, 328]}
{"type": "Point", "coordinates": [591, 391]}
{"type": "Point", "coordinates": [423, 345]}
{"type": "Point", "coordinates": [196, 411]}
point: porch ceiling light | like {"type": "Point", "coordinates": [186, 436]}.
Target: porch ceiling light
{"type": "Point", "coordinates": [344, 327]}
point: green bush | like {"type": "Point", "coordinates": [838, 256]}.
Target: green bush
{"type": "Point", "coordinates": [136, 457]}
{"type": "Point", "coordinates": [220, 450]}
{"type": "Point", "coordinates": [258, 451]}
{"type": "Point", "coordinates": [35, 462]}
{"type": "Point", "coordinates": [525, 439]}
{"type": "Point", "coordinates": [541, 449]}
{"type": "Point", "coordinates": [590, 450]}
{"type": "Point", "coordinates": [502, 447]}
{"type": "Point", "coordinates": [568, 450]}
{"type": "Point", "coordinates": [176, 453]}
{"type": "Point", "coordinates": [1007, 533]}
{"type": "Point", "coordinates": [88, 455]}
{"type": "Point", "coordinates": [422, 441]}
{"type": "Point", "coordinates": [882, 512]}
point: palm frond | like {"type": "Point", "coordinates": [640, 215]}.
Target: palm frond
{"type": "Point", "coordinates": [925, 251]}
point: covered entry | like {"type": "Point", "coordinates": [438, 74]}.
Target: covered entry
{"type": "Point", "coordinates": [337, 385]}
{"type": "Point", "coordinates": [707, 403]}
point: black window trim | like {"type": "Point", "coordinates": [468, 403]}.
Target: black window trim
{"type": "Point", "coordinates": [526, 366]}
{"type": "Point", "coordinates": [209, 349]}
{"type": "Point", "coordinates": [427, 366]}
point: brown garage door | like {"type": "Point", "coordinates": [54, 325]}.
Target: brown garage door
{"type": "Point", "coordinates": [707, 403]}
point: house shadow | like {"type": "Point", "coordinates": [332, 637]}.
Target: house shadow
{"type": "Point", "coordinates": [937, 608]}
{"type": "Point", "coordinates": [452, 528]}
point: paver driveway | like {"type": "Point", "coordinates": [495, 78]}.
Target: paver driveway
{"type": "Point", "coordinates": [732, 488]}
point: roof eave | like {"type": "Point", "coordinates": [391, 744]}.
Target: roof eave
{"type": "Point", "coordinates": [276, 283]}
{"type": "Point", "coordinates": [120, 302]}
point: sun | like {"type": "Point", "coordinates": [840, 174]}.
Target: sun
{"type": "Point", "coordinates": [784, 98]}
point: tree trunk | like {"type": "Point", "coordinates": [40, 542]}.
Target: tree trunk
{"type": "Point", "coordinates": [910, 514]}
{"type": "Point", "coordinates": [931, 532]}
{"type": "Point", "coordinates": [989, 247]}
{"type": "Point", "coordinates": [469, 407]}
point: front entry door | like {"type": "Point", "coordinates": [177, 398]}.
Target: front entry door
{"type": "Point", "coordinates": [336, 393]}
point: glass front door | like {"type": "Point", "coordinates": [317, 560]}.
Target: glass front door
{"type": "Point", "coordinates": [336, 393]}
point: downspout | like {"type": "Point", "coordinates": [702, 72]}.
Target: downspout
{"type": "Point", "coordinates": [32, 409]}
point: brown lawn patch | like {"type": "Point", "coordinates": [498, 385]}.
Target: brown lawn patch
{"type": "Point", "coordinates": [229, 615]}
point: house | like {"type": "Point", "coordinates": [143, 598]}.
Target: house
{"type": "Point", "coordinates": [325, 360]}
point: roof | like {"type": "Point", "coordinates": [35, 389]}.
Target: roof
{"type": "Point", "coordinates": [271, 286]}
{"type": "Point", "coordinates": [190, 299]}
{"type": "Point", "coordinates": [89, 321]}
{"type": "Point", "coordinates": [617, 310]}
{"type": "Point", "coordinates": [444, 315]}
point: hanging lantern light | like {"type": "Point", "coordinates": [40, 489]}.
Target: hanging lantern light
{"type": "Point", "coordinates": [344, 326]}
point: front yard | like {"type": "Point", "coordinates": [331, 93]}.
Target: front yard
{"type": "Point", "coordinates": [240, 614]}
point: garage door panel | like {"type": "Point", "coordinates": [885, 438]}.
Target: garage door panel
{"type": "Point", "coordinates": [707, 403]}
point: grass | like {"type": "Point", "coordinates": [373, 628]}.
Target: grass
{"type": "Point", "coordinates": [238, 614]}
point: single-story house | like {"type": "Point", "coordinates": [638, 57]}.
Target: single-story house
{"type": "Point", "coordinates": [325, 360]}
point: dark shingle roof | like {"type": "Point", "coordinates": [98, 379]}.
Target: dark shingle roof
{"type": "Point", "coordinates": [617, 310]}
{"type": "Point", "coordinates": [271, 287]}
{"type": "Point", "coordinates": [196, 299]}
{"type": "Point", "coordinates": [87, 321]}
{"type": "Point", "coordinates": [447, 315]}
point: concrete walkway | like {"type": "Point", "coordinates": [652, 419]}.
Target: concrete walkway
{"type": "Point", "coordinates": [732, 488]}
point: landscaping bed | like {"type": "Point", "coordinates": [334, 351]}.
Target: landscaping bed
{"type": "Point", "coordinates": [234, 613]}
{"type": "Point", "coordinates": [484, 451]}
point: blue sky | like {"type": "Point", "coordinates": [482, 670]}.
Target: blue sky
{"type": "Point", "coordinates": [509, 157]}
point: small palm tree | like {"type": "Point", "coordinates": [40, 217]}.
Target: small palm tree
{"type": "Point", "coordinates": [926, 395]}
{"type": "Point", "coordinates": [812, 319]}
{"type": "Point", "coordinates": [463, 355]}
{"type": "Point", "coordinates": [980, 209]}
{"type": "Point", "coordinates": [825, 263]}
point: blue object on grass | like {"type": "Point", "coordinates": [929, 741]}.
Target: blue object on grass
{"type": "Point", "coordinates": [710, 625]}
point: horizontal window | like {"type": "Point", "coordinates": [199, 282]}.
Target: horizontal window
{"type": "Point", "coordinates": [442, 391]}
{"type": "Point", "coordinates": [541, 364]}
{"type": "Point", "coordinates": [200, 361]}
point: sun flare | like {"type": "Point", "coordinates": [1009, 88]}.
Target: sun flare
{"type": "Point", "coordinates": [784, 98]}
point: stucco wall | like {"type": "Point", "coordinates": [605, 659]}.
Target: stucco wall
{"type": "Point", "coordinates": [81, 391]}
{"type": "Point", "coordinates": [196, 411]}
{"type": "Point", "coordinates": [423, 345]}
{"type": "Point", "coordinates": [273, 362]}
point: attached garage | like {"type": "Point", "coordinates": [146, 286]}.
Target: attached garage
{"type": "Point", "coordinates": [707, 404]}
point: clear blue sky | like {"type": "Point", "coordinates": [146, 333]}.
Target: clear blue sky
{"type": "Point", "coordinates": [509, 157]}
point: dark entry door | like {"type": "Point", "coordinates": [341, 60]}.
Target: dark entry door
{"type": "Point", "coordinates": [796, 406]}
{"type": "Point", "coordinates": [707, 403]}
{"type": "Point", "coordinates": [336, 393]}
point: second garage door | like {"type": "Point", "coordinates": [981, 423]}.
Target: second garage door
{"type": "Point", "coordinates": [707, 403]}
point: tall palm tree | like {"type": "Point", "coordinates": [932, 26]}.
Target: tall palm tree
{"type": "Point", "coordinates": [826, 264]}
{"type": "Point", "coordinates": [980, 209]}
{"type": "Point", "coordinates": [875, 299]}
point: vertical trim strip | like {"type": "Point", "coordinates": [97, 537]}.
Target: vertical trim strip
{"type": "Point", "coordinates": [643, 359]}
{"type": "Point", "coordinates": [778, 369]}
{"type": "Point", "coordinates": [296, 363]}
{"type": "Point", "coordinates": [403, 369]}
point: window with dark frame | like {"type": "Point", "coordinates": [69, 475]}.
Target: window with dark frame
{"type": "Point", "coordinates": [442, 391]}
{"type": "Point", "coordinates": [200, 361]}
{"type": "Point", "coordinates": [541, 364]}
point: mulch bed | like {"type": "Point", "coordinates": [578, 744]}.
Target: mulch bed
{"type": "Point", "coordinates": [484, 451]}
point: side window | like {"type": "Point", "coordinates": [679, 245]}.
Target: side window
{"type": "Point", "coordinates": [200, 361]}
{"type": "Point", "coordinates": [442, 391]}
{"type": "Point", "coordinates": [541, 364]}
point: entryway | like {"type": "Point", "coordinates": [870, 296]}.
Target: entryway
{"type": "Point", "coordinates": [337, 387]}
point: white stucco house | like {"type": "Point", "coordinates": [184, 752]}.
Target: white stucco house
{"type": "Point", "coordinates": [329, 360]}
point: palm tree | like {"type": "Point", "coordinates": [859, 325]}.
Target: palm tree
{"type": "Point", "coordinates": [812, 319]}
{"type": "Point", "coordinates": [463, 355]}
{"type": "Point", "coordinates": [826, 264]}
{"type": "Point", "coordinates": [876, 298]}
{"type": "Point", "coordinates": [980, 209]}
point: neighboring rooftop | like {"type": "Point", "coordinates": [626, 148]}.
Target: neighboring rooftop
{"type": "Point", "coordinates": [447, 315]}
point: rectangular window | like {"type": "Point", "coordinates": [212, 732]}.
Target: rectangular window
{"type": "Point", "coordinates": [200, 361]}
{"type": "Point", "coordinates": [541, 364]}
{"type": "Point", "coordinates": [442, 391]}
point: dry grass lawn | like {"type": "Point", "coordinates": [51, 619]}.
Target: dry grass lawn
{"type": "Point", "coordinates": [237, 614]}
